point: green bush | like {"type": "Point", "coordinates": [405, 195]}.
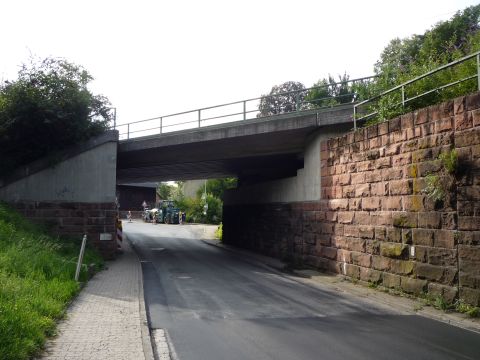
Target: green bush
{"type": "Point", "coordinates": [36, 283]}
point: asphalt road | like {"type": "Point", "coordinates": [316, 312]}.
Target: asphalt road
{"type": "Point", "coordinates": [215, 305]}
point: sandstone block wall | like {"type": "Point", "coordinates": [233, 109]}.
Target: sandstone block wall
{"type": "Point", "coordinates": [76, 219]}
{"type": "Point", "coordinates": [375, 222]}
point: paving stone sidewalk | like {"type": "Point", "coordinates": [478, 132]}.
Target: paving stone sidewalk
{"type": "Point", "coordinates": [107, 319]}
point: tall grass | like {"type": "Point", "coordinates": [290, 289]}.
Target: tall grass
{"type": "Point", "coordinates": [36, 283]}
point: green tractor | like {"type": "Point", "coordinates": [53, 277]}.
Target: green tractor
{"type": "Point", "coordinates": [167, 212]}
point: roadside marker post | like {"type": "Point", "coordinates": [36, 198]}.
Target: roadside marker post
{"type": "Point", "coordinates": [80, 257]}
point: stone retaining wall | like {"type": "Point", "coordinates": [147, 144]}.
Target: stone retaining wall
{"type": "Point", "coordinates": [76, 219]}
{"type": "Point", "coordinates": [375, 222]}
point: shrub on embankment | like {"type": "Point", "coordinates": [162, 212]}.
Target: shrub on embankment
{"type": "Point", "coordinates": [36, 283]}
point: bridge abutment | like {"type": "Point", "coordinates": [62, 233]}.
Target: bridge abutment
{"type": "Point", "coordinates": [373, 220]}
{"type": "Point", "coordinates": [75, 195]}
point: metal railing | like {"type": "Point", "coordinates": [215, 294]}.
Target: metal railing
{"type": "Point", "coordinates": [240, 110]}
{"type": "Point", "coordinates": [403, 92]}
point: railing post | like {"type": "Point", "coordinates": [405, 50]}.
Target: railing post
{"type": "Point", "coordinates": [161, 120]}
{"type": "Point", "coordinates": [403, 96]}
{"type": "Point", "coordinates": [354, 117]}
{"type": "Point", "coordinates": [478, 71]}
{"type": "Point", "coordinates": [244, 110]}
{"type": "Point", "coordinates": [128, 131]}
{"type": "Point", "coordinates": [199, 117]}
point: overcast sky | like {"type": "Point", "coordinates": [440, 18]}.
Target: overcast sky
{"type": "Point", "coordinates": [154, 58]}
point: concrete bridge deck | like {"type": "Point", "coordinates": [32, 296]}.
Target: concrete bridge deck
{"type": "Point", "coordinates": [255, 149]}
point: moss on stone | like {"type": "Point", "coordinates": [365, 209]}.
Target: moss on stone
{"type": "Point", "coordinates": [395, 250]}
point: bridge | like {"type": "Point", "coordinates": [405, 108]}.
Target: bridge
{"type": "Point", "coordinates": [253, 150]}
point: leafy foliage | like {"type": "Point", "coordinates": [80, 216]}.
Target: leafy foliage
{"type": "Point", "coordinates": [48, 108]}
{"type": "Point", "coordinates": [165, 191]}
{"type": "Point", "coordinates": [405, 59]}
{"type": "Point", "coordinates": [217, 187]}
{"type": "Point", "coordinates": [194, 207]}
{"type": "Point", "coordinates": [329, 92]}
{"type": "Point", "coordinates": [282, 98]}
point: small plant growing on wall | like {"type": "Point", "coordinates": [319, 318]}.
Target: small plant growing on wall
{"type": "Point", "coordinates": [439, 185]}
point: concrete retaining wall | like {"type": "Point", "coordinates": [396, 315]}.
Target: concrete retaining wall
{"type": "Point", "coordinates": [75, 196]}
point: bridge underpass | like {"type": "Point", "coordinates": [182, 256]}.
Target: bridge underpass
{"type": "Point", "coordinates": [253, 151]}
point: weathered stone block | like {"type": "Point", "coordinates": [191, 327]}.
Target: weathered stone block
{"type": "Point", "coordinates": [352, 271]}
{"type": "Point", "coordinates": [402, 267]}
{"type": "Point", "coordinates": [361, 259]}
{"type": "Point", "coordinates": [381, 263]}
{"type": "Point", "coordinates": [423, 237]}
{"type": "Point", "coordinates": [413, 286]}
{"type": "Point", "coordinates": [382, 163]}
{"type": "Point", "coordinates": [470, 296]}
{"type": "Point", "coordinates": [445, 239]}
{"type": "Point", "coordinates": [429, 220]}
{"type": "Point", "coordinates": [467, 137]}
{"type": "Point", "coordinates": [391, 280]}
{"type": "Point", "coordinates": [345, 217]}
{"type": "Point", "coordinates": [405, 220]}
{"type": "Point", "coordinates": [393, 250]}
{"type": "Point", "coordinates": [463, 121]}
{"type": "Point", "coordinates": [413, 203]}
{"type": "Point", "coordinates": [338, 204]}
{"type": "Point", "coordinates": [470, 223]}
{"type": "Point", "coordinates": [443, 257]}
{"type": "Point", "coordinates": [370, 275]}
{"type": "Point", "coordinates": [394, 235]}
{"type": "Point", "coordinates": [362, 190]}
{"type": "Point", "coordinates": [366, 232]}
{"type": "Point", "coordinates": [372, 247]}
{"type": "Point", "coordinates": [344, 256]}
{"type": "Point", "coordinates": [445, 124]}
{"type": "Point", "coordinates": [380, 233]}
{"type": "Point", "coordinates": [420, 116]}
{"type": "Point", "coordinates": [429, 272]}
{"type": "Point", "coordinates": [371, 203]}
{"type": "Point", "coordinates": [328, 252]}
{"type": "Point", "coordinates": [448, 293]}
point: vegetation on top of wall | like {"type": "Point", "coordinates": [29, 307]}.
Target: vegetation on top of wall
{"type": "Point", "coordinates": [36, 283]}
{"type": "Point", "coordinates": [46, 109]}
{"type": "Point", "coordinates": [405, 59]}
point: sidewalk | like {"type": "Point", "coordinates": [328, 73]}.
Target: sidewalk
{"type": "Point", "coordinates": [107, 320]}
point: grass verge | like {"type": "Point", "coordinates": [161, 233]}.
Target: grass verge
{"type": "Point", "coordinates": [36, 283]}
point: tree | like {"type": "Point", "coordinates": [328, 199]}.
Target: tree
{"type": "Point", "coordinates": [282, 98]}
{"type": "Point", "coordinates": [216, 187]}
{"type": "Point", "coordinates": [328, 92]}
{"type": "Point", "coordinates": [165, 191]}
{"type": "Point", "coordinates": [48, 108]}
{"type": "Point", "coordinates": [405, 59]}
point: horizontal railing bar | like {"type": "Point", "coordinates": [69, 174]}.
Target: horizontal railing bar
{"type": "Point", "coordinates": [443, 67]}
{"type": "Point", "coordinates": [442, 87]}
{"type": "Point", "coordinates": [249, 100]}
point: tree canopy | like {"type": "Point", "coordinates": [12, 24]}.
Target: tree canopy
{"type": "Point", "coordinates": [282, 98]}
{"type": "Point", "coordinates": [46, 109]}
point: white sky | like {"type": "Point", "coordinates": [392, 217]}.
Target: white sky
{"type": "Point", "coordinates": [153, 58]}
